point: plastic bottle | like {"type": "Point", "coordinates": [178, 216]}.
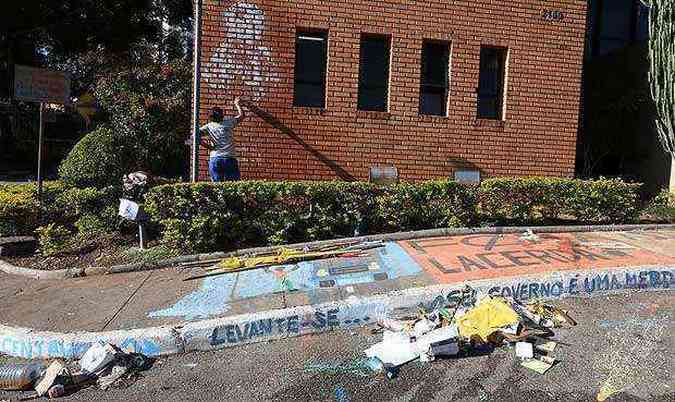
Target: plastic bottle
{"type": "Point", "coordinates": [19, 376]}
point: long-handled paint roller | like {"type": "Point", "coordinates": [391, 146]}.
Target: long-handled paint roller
{"type": "Point", "coordinates": [276, 123]}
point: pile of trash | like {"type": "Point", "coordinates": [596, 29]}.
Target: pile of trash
{"type": "Point", "coordinates": [453, 332]}
{"type": "Point", "coordinates": [103, 364]}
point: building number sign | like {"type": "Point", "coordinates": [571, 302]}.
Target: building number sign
{"type": "Point", "coordinates": [553, 15]}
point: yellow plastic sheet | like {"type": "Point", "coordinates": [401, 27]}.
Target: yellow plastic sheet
{"type": "Point", "coordinates": [490, 315]}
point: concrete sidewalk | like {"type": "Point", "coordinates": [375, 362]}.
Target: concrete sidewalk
{"type": "Point", "coordinates": [321, 295]}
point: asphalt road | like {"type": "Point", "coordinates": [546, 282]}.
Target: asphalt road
{"type": "Point", "coordinates": [622, 342]}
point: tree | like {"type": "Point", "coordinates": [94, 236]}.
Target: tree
{"type": "Point", "coordinates": [59, 33]}
{"type": "Point", "coordinates": [89, 39]}
{"type": "Point", "coordinates": [147, 119]}
{"type": "Point", "coordinates": [662, 68]}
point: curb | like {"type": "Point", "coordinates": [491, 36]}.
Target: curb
{"type": "Point", "coordinates": [346, 314]}
{"type": "Point", "coordinates": [400, 236]}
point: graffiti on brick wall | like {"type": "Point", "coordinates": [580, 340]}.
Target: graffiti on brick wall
{"type": "Point", "coordinates": [242, 64]}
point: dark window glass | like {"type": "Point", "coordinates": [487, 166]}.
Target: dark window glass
{"type": "Point", "coordinates": [616, 18]}
{"type": "Point", "coordinates": [434, 78]}
{"type": "Point", "coordinates": [591, 27]}
{"type": "Point", "coordinates": [642, 30]}
{"type": "Point", "coordinates": [374, 72]}
{"type": "Point", "coordinates": [311, 53]}
{"type": "Point", "coordinates": [491, 82]}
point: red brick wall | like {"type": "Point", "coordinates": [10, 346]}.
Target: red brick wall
{"type": "Point", "coordinates": [248, 49]}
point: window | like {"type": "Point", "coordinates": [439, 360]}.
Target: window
{"type": "Point", "coordinates": [374, 72]}
{"type": "Point", "coordinates": [311, 53]}
{"type": "Point", "coordinates": [434, 78]}
{"type": "Point", "coordinates": [613, 24]}
{"type": "Point", "coordinates": [491, 83]}
{"type": "Point", "coordinates": [615, 29]}
{"type": "Point", "coordinates": [642, 24]}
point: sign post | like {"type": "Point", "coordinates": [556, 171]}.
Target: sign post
{"type": "Point", "coordinates": [41, 86]}
{"type": "Point", "coordinates": [39, 161]}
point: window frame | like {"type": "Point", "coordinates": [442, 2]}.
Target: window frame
{"type": "Point", "coordinates": [501, 91]}
{"type": "Point", "coordinates": [387, 85]}
{"type": "Point", "coordinates": [447, 75]}
{"type": "Point", "coordinates": [317, 33]}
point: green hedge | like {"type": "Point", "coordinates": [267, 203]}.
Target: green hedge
{"type": "Point", "coordinates": [19, 206]}
{"type": "Point", "coordinates": [72, 207]}
{"type": "Point", "coordinates": [206, 217]}
{"type": "Point", "coordinates": [544, 200]}
{"type": "Point", "coordinates": [209, 217]}
{"type": "Point", "coordinates": [662, 207]}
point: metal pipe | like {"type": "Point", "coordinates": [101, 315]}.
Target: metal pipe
{"type": "Point", "coordinates": [196, 89]}
{"type": "Point", "coordinates": [39, 156]}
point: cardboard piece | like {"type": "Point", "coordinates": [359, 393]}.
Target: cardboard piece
{"type": "Point", "coordinates": [54, 370]}
{"type": "Point", "coordinates": [547, 347]}
{"type": "Point", "coordinates": [541, 365]}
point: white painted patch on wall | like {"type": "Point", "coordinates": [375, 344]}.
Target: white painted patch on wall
{"type": "Point", "coordinates": [242, 64]}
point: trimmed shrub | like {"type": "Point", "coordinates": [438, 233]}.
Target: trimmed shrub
{"type": "Point", "coordinates": [662, 207]}
{"type": "Point", "coordinates": [70, 207]}
{"type": "Point", "coordinates": [18, 211]}
{"type": "Point", "coordinates": [604, 201]}
{"type": "Point", "coordinates": [224, 216]}
{"type": "Point", "coordinates": [95, 161]}
{"type": "Point", "coordinates": [53, 239]}
{"type": "Point", "coordinates": [427, 205]}
{"type": "Point", "coordinates": [19, 207]}
{"type": "Point", "coordinates": [537, 200]}
{"type": "Point", "coordinates": [79, 204]}
{"type": "Point", "coordinates": [209, 216]}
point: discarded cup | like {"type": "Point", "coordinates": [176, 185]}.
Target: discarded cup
{"type": "Point", "coordinates": [524, 350]}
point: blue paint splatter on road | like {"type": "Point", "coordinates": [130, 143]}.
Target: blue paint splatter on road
{"type": "Point", "coordinates": [215, 293]}
{"type": "Point", "coordinates": [341, 395]}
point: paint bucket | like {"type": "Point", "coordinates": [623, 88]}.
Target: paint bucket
{"type": "Point", "coordinates": [19, 376]}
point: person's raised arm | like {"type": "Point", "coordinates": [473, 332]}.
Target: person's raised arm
{"type": "Point", "coordinates": [240, 112]}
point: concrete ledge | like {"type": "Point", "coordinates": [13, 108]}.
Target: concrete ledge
{"type": "Point", "coordinates": [339, 315]}
{"type": "Point", "coordinates": [40, 274]}
{"type": "Point", "coordinates": [400, 236]}
{"type": "Point", "coordinates": [17, 246]}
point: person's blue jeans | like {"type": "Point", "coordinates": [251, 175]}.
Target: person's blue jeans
{"type": "Point", "coordinates": [224, 169]}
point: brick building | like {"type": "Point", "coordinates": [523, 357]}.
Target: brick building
{"type": "Point", "coordinates": [430, 87]}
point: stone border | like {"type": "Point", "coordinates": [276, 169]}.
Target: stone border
{"type": "Point", "coordinates": [93, 271]}
{"type": "Point", "coordinates": [353, 312]}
